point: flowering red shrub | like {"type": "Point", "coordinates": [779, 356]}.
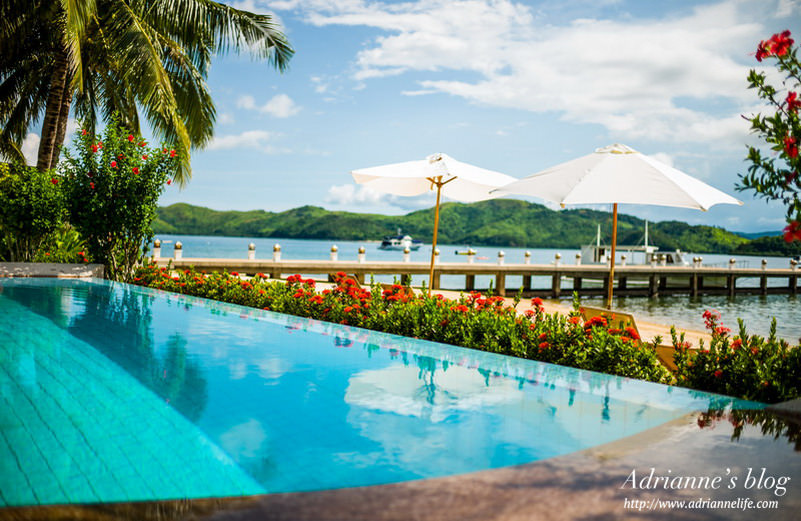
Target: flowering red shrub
{"type": "Point", "coordinates": [767, 370]}
{"type": "Point", "coordinates": [474, 320]}
{"type": "Point", "coordinates": [769, 176]}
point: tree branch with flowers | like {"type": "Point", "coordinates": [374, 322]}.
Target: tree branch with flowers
{"type": "Point", "coordinates": [775, 177]}
{"type": "Point", "coordinates": [113, 183]}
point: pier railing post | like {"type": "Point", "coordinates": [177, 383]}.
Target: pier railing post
{"type": "Point", "coordinates": [578, 259]}
{"type": "Point", "coordinates": [362, 255]}
{"type": "Point", "coordinates": [527, 257]}
{"type": "Point", "coordinates": [251, 251]}
{"type": "Point", "coordinates": [276, 252]}
{"type": "Point", "coordinates": [178, 252]}
{"type": "Point", "coordinates": [334, 252]}
{"type": "Point", "coordinates": [556, 259]}
{"type": "Point", "coordinates": [156, 249]}
{"type": "Point", "coordinates": [471, 255]}
{"type": "Point", "coordinates": [436, 261]}
{"type": "Point", "coordinates": [407, 255]}
{"type": "Point", "coordinates": [622, 260]}
{"type": "Point", "coordinates": [501, 255]}
{"type": "Point", "coordinates": [731, 282]}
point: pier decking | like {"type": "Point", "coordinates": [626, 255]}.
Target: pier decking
{"type": "Point", "coordinates": [647, 281]}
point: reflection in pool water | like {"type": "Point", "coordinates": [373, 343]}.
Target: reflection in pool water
{"type": "Point", "coordinates": [173, 396]}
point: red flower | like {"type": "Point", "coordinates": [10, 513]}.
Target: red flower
{"type": "Point", "coordinates": [781, 43]}
{"type": "Point", "coordinates": [92, 186]}
{"type": "Point", "coordinates": [142, 144]}
{"type": "Point", "coordinates": [169, 181]}
{"type": "Point", "coordinates": [83, 131]}
{"type": "Point", "coordinates": [575, 319]}
{"type": "Point", "coordinates": [172, 153]}
{"type": "Point", "coordinates": [113, 164]}
{"type": "Point", "coordinates": [632, 333]}
{"type": "Point", "coordinates": [54, 181]}
{"type": "Point", "coordinates": [793, 231]}
{"type": "Point", "coordinates": [544, 345]}
{"type": "Point", "coordinates": [790, 147]}
{"type": "Point", "coordinates": [737, 344]}
{"type": "Point", "coordinates": [136, 170]}
{"type": "Point", "coordinates": [793, 103]}
{"type": "Point", "coordinates": [777, 45]}
{"type": "Point", "coordinates": [94, 148]}
{"type": "Point", "coordinates": [718, 373]}
{"type": "Point", "coordinates": [722, 331]}
{"type": "Point", "coordinates": [130, 138]}
{"type": "Point", "coordinates": [144, 157]}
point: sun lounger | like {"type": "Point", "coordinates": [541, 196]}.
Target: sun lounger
{"type": "Point", "coordinates": [620, 320]}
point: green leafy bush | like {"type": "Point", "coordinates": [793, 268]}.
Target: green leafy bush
{"type": "Point", "coordinates": [64, 244]}
{"type": "Point", "coordinates": [475, 321]}
{"type": "Point", "coordinates": [748, 366]}
{"type": "Point", "coordinates": [31, 208]}
{"type": "Point", "coordinates": [112, 185]}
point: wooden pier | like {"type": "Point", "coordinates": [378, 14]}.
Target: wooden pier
{"type": "Point", "coordinates": [637, 280]}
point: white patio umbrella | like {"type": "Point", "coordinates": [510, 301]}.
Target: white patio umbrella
{"type": "Point", "coordinates": [452, 179]}
{"type": "Point", "coordinates": [618, 174]}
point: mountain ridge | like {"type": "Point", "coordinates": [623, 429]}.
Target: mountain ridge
{"type": "Point", "coordinates": [497, 222]}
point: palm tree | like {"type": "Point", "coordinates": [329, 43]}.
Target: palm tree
{"type": "Point", "coordinates": [98, 57]}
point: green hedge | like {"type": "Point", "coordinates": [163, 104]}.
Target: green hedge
{"type": "Point", "coordinates": [475, 321]}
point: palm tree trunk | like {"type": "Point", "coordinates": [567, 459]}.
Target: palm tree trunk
{"type": "Point", "coordinates": [59, 94]}
{"type": "Point", "coordinates": [63, 116]}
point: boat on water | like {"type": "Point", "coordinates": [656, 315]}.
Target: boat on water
{"type": "Point", "coordinates": [641, 254]}
{"type": "Point", "coordinates": [400, 242]}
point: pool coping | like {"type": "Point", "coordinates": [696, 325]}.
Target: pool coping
{"type": "Point", "coordinates": [51, 270]}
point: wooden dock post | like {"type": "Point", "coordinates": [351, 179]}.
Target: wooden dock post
{"type": "Point", "coordinates": [694, 284]}
{"type": "Point", "coordinates": [500, 284]}
{"type": "Point", "coordinates": [469, 282]}
{"type": "Point", "coordinates": [556, 285]}
{"type": "Point", "coordinates": [653, 286]}
{"type": "Point", "coordinates": [576, 283]}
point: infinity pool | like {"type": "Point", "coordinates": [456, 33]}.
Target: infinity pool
{"type": "Point", "coordinates": [111, 392]}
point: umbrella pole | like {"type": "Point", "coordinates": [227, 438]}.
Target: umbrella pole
{"type": "Point", "coordinates": [612, 264]}
{"type": "Point", "coordinates": [434, 241]}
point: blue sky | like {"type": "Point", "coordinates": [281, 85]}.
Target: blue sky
{"type": "Point", "coordinates": [512, 86]}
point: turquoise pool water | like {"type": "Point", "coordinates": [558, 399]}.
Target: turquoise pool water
{"type": "Point", "coordinates": [110, 392]}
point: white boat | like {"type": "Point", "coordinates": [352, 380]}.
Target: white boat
{"type": "Point", "coordinates": [643, 254]}
{"type": "Point", "coordinates": [400, 242]}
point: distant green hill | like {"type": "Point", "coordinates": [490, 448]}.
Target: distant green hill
{"type": "Point", "coordinates": [775, 246]}
{"type": "Point", "coordinates": [499, 222]}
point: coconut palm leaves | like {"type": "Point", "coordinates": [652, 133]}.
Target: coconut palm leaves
{"type": "Point", "coordinates": [134, 57]}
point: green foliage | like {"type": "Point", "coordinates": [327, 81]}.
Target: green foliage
{"type": "Point", "coordinates": [499, 222]}
{"type": "Point", "coordinates": [112, 186]}
{"type": "Point", "coordinates": [64, 244]}
{"type": "Point", "coordinates": [475, 321]}
{"type": "Point", "coordinates": [775, 175]}
{"type": "Point", "coordinates": [748, 366]}
{"type": "Point", "coordinates": [775, 246]}
{"type": "Point", "coordinates": [138, 59]}
{"type": "Point", "coordinates": [31, 208]}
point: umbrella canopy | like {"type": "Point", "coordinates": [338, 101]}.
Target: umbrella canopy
{"type": "Point", "coordinates": [618, 174]}
{"type": "Point", "coordinates": [469, 183]}
{"type": "Point", "coordinates": [452, 179]}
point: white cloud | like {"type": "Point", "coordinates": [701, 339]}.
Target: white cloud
{"type": "Point", "coordinates": [675, 78]}
{"type": "Point", "coordinates": [358, 195]}
{"type": "Point", "coordinates": [225, 119]}
{"type": "Point", "coordinates": [279, 106]}
{"type": "Point", "coordinates": [249, 139]}
{"type": "Point", "coordinates": [30, 148]}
